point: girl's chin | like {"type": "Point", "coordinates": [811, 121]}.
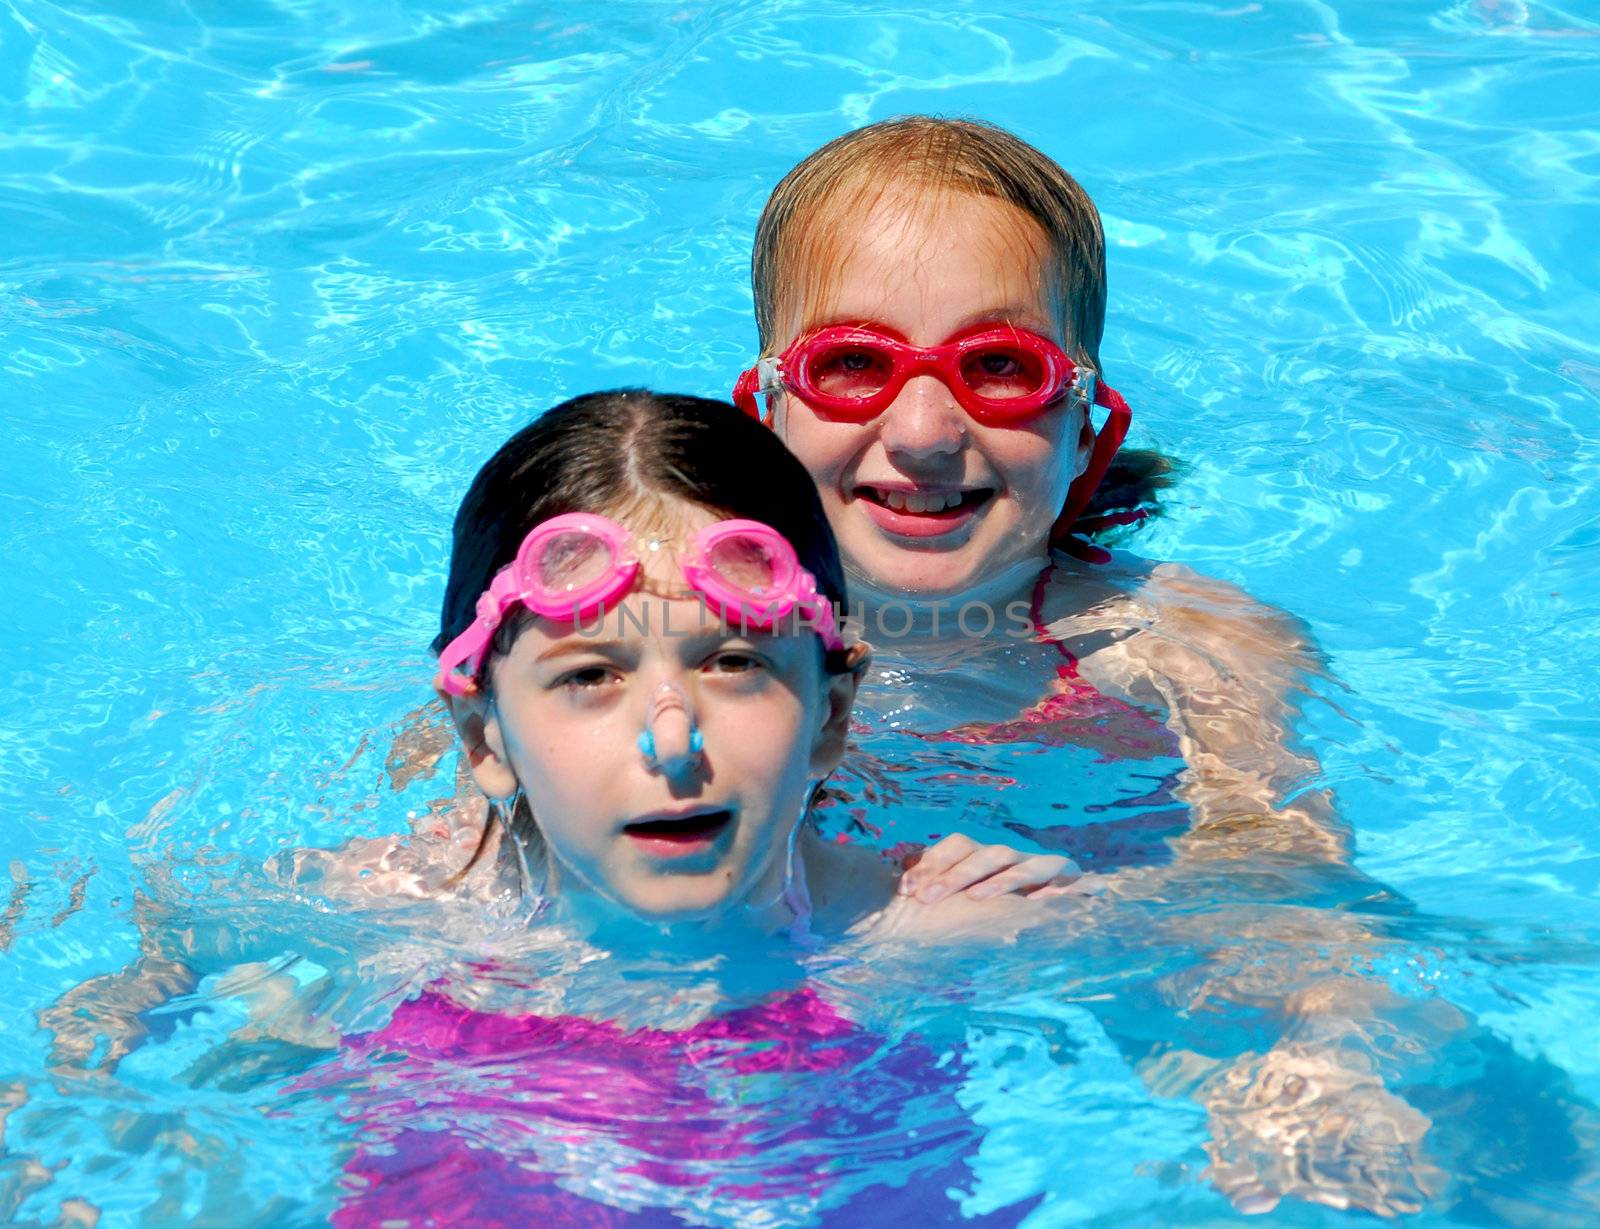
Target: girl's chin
{"type": "Point", "coordinates": [989, 564]}
{"type": "Point", "coordinates": [918, 577]}
{"type": "Point", "coordinates": [889, 573]}
{"type": "Point", "coordinates": [689, 903]}
{"type": "Point", "coordinates": [711, 906]}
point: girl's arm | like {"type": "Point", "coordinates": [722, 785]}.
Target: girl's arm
{"type": "Point", "coordinates": [97, 1022]}
{"type": "Point", "coordinates": [1232, 675]}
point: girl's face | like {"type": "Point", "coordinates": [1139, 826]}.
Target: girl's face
{"type": "Point", "coordinates": [924, 500]}
{"type": "Point", "coordinates": [685, 835]}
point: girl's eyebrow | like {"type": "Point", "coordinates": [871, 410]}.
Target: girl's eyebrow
{"type": "Point", "coordinates": [627, 650]}
{"type": "Point", "coordinates": [1024, 315]}
{"type": "Point", "coordinates": [847, 320]}
{"type": "Point", "coordinates": [578, 643]}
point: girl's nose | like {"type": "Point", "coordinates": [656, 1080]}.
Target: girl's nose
{"type": "Point", "coordinates": [671, 742]}
{"type": "Point", "coordinates": [925, 420]}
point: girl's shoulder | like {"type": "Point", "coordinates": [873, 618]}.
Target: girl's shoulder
{"type": "Point", "coordinates": [1168, 611]}
{"type": "Point", "coordinates": [1230, 622]}
{"type": "Point", "coordinates": [847, 881]}
{"type": "Point", "coordinates": [421, 865]}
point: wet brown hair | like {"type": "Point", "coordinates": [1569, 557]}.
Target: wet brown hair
{"type": "Point", "coordinates": [613, 453]}
{"type": "Point", "coordinates": [810, 216]}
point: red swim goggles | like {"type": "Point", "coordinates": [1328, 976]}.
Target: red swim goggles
{"type": "Point", "coordinates": [1001, 375]}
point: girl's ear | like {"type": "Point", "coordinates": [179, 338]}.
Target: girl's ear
{"type": "Point", "coordinates": [840, 700]}
{"type": "Point", "coordinates": [1085, 443]}
{"type": "Point", "coordinates": [479, 728]}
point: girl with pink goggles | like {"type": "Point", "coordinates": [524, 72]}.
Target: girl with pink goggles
{"type": "Point", "coordinates": [573, 567]}
{"type": "Point", "coordinates": [1002, 376]}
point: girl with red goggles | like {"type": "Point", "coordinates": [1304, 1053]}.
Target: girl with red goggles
{"type": "Point", "coordinates": [930, 296]}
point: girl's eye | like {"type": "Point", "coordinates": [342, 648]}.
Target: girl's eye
{"type": "Point", "coordinates": [586, 678]}
{"type": "Point", "coordinates": [1000, 372]}
{"type": "Point", "coordinates": [845, 372]}
{"type": "Point", "coordinates": [734, 663]}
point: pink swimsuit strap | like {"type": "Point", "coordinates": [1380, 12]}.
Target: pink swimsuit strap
{"type": "Point", "coordinates": [1077, 714]}
{"type": "Point", "coordinates": [1074, 713]}
{"type": "Point", "coordinates": [1068, 669]}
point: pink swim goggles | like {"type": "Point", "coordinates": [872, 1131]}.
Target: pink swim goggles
{"type": "Point", "coordinates": [1001, 375]}
{"type": "Point", "coordinates": [573, 567]}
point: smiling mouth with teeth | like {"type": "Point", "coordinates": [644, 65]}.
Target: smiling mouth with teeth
{"type": "Point", "coordinates": [924, 503]}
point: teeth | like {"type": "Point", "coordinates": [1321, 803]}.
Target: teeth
{"type": "Point", "coordinates": [920, 502]}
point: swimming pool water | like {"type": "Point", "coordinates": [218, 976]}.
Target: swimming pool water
{"type": "Point", "coordinates": [276, 276]}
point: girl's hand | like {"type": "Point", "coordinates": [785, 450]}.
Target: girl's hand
{"type": "Point", "coordinates": [959, 864]}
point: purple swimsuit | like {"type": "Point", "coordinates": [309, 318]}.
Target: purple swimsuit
{"type": "Point", "coordinates": [474, 1118]}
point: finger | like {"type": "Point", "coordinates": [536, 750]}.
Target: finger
{"type": "Point", "coordinates": [1040, 875]}
{"type": "Point", "coordinates": [934, 861]}
{"type": "Point", "coordinates": [1079, 883]}
{"type": "Point", "coordinates": [980, 864]}
{"type": "Point", "coordinates": [1068, 879]}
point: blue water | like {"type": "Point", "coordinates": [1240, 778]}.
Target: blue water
{"type": "Point", "coordinates": [275, 277]}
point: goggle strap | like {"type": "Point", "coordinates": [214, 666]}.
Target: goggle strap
{"type": "Point", "coordinates": [819, 613]}
{"type": "Point", "coordinates": [744, 394]}
{"type": "Point", "coordinates": [769, 383]}
{"type": "Point", "coordinates": [765, 379]}
{"type": "Point", "coordinates": [504, 593]}
{"type": "Point", "coordinates": [463, 657]}
{"type": "Point", "coordinates": [1085, 386]}
{"type": "Point", "coordinates": [1106, 442]}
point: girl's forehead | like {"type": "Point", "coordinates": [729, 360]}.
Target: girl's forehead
{"type": "Point", "coordinates": [662, 518]}
{"type": "Point", "coordinates": [872, 246]}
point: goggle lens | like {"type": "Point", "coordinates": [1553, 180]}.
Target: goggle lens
{"type": "Point", "coordinates": [852, 371]}
{"type": "Point", "coordinates": [1003, 372]}
{"type": "Point", "coordinates": [748, 565]}
{"type": "Point", "coordinates": [572, 562]}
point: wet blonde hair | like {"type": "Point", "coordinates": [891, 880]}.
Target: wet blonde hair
{"type": "Point", "coordinates": [812, 213]}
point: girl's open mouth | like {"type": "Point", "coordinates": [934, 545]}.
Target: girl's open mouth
{"type": "Point", "coordinates": [921, 514]}
{"type": "Point", "coordinates": [677, 836]}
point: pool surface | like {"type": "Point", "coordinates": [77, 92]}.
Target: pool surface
{"type": "Point", "coordinates": [275, 278]}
